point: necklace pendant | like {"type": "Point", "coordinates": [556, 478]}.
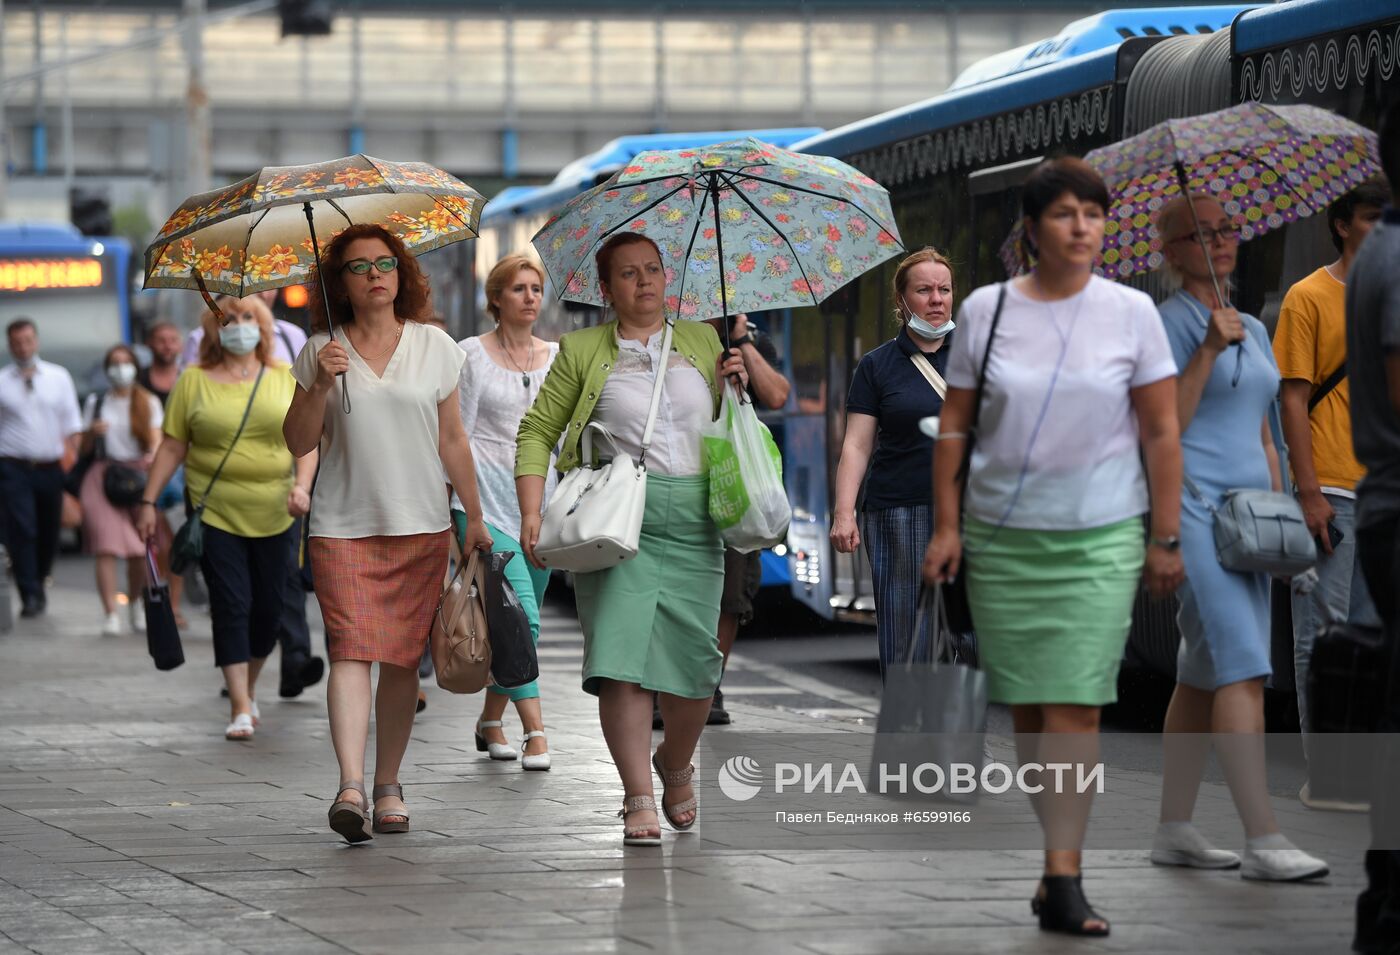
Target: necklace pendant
{"type": "Point", "coordinates": [525, 379]}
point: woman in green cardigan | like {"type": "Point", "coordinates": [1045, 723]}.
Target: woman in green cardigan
{"type": "Point", "coordinates": [635, 643]}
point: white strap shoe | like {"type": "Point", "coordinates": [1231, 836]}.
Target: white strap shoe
{"type": "Point", "coordinates": [502, 751]}
{"type": "Point", "coordinates": [1273, 858]}
{"type": "Point", "coordinates": [538, 761]}
{"type": "Point", "coordinates": [1180, 843]}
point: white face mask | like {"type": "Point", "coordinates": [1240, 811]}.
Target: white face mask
{"type": "Point", "coordinates": [121, 374]}
{"type": "Point", "coordinates": [240, 339]}
{"type": "Point", "coordinates": [928, 332]}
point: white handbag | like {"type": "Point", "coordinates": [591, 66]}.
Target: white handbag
{"type": "Point", "coordinates": [594, 519]}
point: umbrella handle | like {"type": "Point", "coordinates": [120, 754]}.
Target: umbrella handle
{"type": "Point", "coordinates": [325, 299]}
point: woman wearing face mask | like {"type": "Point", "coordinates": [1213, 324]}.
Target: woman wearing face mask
{"type": "Point", "coordinates": [126, 421]}
{"type": "Point", "coordinates": [500, 378]}
{"type": "Point", "coordinates": [248, 512]}
{"type": "Point", "coordinates": [1227, 382]}
{"type": "Point", "coordinates": [895, 386]}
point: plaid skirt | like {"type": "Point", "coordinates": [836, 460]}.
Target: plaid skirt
{"type": "Point", "coordinates": [378, 594]}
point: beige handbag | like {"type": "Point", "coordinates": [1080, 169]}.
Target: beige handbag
{"type": "Point", "coordinates": [458, 642]}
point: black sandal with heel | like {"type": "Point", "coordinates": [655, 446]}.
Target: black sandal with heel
{"type": "Point", "coordinates": [1064, 907]}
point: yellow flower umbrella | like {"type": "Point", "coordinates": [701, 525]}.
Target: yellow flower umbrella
{"type": "Point", "coordinates": [260, 232]}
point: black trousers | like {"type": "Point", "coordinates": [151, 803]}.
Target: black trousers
{"type": "Point", "coordinates": [246, 577]}
{"type": "Point", "coordinates": [32, 497]}
{"type": "Point", "coordinates": [1378, 906]}
{"type": "Point", "coordinates": [293, 634]}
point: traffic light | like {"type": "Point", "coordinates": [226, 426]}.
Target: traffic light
{"type": "Point", "coordinates": [90, 210]}
{"type": "Point", "coordinates": [305, 17]}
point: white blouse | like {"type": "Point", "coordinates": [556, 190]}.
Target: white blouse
{"type": "Point", "coordinates": [1059, 450]}
{"type": "Point", "coordinates": [381, 474]}
{"type": "Point", "coordinates": [493, 400]}
{"type": "Point", "coordinates": [120, 441]}
{"type": "Point", "coordinates": [686, 407]}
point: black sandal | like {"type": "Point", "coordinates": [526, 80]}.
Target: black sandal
{"type": "Point", "coordinates": [1064, 908]}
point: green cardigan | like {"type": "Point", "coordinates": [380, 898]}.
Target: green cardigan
{"type": "Point", "coordinates": [575, 380]}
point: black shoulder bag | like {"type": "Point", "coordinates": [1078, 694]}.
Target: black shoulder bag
{"type": "Point", "coordinates": [1325, 389]}
{"type": "Point", "coordinates": [188, 547]}
{"type": "Point", "coordinates": [955, 601]}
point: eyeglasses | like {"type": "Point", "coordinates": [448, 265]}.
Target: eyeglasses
{"type": "Point", "coordinates": [385, 263]}
{"type": "Point", "coordinates": [1225, 234]}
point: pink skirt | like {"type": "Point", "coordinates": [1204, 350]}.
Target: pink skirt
{"type": "Point", "coordinates": [378, 595]}
{"type": "Point", "coordinates": [108, 531]}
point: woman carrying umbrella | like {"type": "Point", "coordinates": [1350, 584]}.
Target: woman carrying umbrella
{"type": "Point", "coordinates": [379, 532]}
{"type": "Point", "coordinates": [636, 643]}
{"type": "Point", "coordinates": [1223, 405]}
{"type": "Point", "coordinates": [1079, 381]}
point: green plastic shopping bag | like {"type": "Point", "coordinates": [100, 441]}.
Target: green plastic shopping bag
{"type": "Point", "coordinates": [748, 502]}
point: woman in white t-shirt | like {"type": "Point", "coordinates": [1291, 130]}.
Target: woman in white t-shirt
{"type": "Point", "coordinates": [122, 426]}
{"type": "Point", "coordinates": [500, 378]}
{"type": "Point", "coordinates": [1080, 389]}
{"type": "Point", "coordinates": [379, 516]}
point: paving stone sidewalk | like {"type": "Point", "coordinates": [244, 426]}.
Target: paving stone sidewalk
{"type": "Point", "coordinates": [127, 823]}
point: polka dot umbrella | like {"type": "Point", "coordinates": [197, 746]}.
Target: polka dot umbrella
{"type": "Point", "coordinates": [1267, 166]}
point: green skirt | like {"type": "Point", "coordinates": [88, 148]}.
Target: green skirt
{"type": "Point", "coordinates": [1052, 609]}
{"type": "Point", "coordinates": [654, 619]}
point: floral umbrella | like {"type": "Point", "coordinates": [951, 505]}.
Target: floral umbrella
{"type": "Point", "coordinates": [260, 233]}
{"type": "Point", "coordinates": [1268, 166]}
{"type": "Point", "coordinates": [783, 229]}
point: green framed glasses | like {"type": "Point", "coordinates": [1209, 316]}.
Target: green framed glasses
{"type": "Point", "coordinates": [385, 263]}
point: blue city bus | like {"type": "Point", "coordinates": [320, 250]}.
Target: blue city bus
{"type": "Point", "coordinates": [75, 288]}
{"type": "Point", "coordinates": [954, 164]}
{"type": "Point", "coordinates": [516, 214]}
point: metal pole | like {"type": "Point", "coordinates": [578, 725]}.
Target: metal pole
{"type": "Point", "coordinates": [39, 149]}
{"type": "Point", "coordinates": [808, 105]}
{"type": "Point", "coordinates": [4, 129]}
{"type": "Point", "coordinates": [197, 135]}
{"type": "Point", "coordinates": [70, 148]}
{"type": "Point", "coordinates": [357, 89]}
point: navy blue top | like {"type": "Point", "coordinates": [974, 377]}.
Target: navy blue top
{"type": "Point", "coordinates": [889, 387]}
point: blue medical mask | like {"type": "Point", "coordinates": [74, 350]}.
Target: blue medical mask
{"type": "Point", "coordinates": [926, 331]}
{"type": "Point", "coordinates": [240, 339]}
{"type": "Point", "coordinates": [930, 332]}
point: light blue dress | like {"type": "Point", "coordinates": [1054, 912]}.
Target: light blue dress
{"type": "Point", "coordinates": [1224, 617]}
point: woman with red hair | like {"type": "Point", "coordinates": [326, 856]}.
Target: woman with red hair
{"type": "Point", "coordinates": [379, 529]}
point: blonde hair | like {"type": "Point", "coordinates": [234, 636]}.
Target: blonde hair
{"type": "Point", "coordinates": [503, 273]}
{"type": "Point", "coordinates": [901, 274]}
{"type": "Point", "coordinates": [211, 350]}
{"type": "Point", "coordinates": [1174, 221]}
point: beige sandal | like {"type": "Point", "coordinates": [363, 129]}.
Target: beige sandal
{"type": "Point", "coordinates": [351, 819]}
{"type": "Point", "coordinates": [399, 815]}
{"type": "Point", "coordinates": [638, 835]}
{"type": "Point", "coordinates": [676, 777]}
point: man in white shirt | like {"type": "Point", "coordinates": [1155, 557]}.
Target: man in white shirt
{"type": "Point", "coordinates": [39, 421]}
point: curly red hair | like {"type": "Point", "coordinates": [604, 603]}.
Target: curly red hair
{"type": "Point", "coordinates": [413, 303]}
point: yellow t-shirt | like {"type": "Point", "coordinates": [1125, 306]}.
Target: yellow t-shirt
{"type": "Point", "coordinates": [1310, 343]}
{"type": "Point", "coordinates": [250, 498]}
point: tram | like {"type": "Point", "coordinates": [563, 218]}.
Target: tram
{"type": "Point", "coordinates": [953, 165]}
{"type": "Point", "coordinates": [75, 288]}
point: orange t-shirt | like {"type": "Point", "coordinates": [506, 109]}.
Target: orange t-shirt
{"type": "Point", "coordinates": [1310, 343]}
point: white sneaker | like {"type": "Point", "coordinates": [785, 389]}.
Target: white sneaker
{"type": "Point", "coordinates": [1273, 858]}
{"type": "Point", "coordinates": [1180, 843]}
{"type": "Point", "coordinates": [112, 627]}
{"type": "Point", "coordinates": [136, 612]}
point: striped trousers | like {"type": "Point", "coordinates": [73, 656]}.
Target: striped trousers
{"type": "Point", "coordinates": [895, 540]}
